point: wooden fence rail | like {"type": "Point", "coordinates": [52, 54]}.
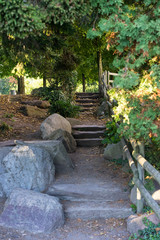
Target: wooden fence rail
{"type": "Point", "coordinates": [141, 163]}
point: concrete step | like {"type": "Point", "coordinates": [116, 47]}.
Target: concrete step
{"type": "Point", "coordinates": [87, 94]}
{"type": "Point", "coordinates": [92, 200]}
{"type": "Point", "coordinates": [97, 210]}
{"type": "Point", "coordinates": [87, 100]}
{"type": "Point", "coordinates": [93, 192]}
{"type": "Point", "coordinates": [89, 127]}
{"type": "Point", "coordinates": [88, 97]}
{"type": "Point", "coordinates": [87, 105]}
{"type": "Point", "coordinates": [89, 142]}
{"type": "Point", "coordinates": [86, 109]}
{"type": "Point", "coordinates": [87, 134]}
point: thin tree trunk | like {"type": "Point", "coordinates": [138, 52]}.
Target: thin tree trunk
{"type": "Point", "coordinates": [21, 85]}
{"type": "Point", "coordinates": [83, 82]}
{"type": "Point", "coordinates": [100, 71]}
{"type": "Point", "coordinates": [44, 80]}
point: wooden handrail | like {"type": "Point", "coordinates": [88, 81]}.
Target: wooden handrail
{"type": "Point", "coordinates": [147, 166]}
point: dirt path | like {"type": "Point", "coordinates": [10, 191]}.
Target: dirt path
{"type": "Point", "coordinates": [77, 229]}
{"type": "Point", "coordinates": [27, 128]}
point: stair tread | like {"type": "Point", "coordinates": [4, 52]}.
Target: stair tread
{"type": "Point", "coordinates": [89, 139]}
{"type": "Point", "coordinates": [90, 132]}
{"type": "Point", "coordinates": [89, 192]}
{"type": "Point", "coordinates": [88, 126]}
{"type": "Point", "coordinates": [87, 100]}
{"type": "Point", "coordinates": [93, 210]}
{"type": "Point", "coordinates": [87, 93]}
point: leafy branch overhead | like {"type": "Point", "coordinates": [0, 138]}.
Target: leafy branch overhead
{"type": "Point", "coordinates": [63, 40]}
{"type": "Point", "coordinates": [133, 32]}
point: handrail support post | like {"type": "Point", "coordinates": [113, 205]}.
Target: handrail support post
{"type": "Point", "coordinates": [140, 199]}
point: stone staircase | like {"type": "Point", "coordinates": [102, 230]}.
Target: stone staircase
{"type": "Point", "coordinates": [87, 101]}
{"type": "Point", "coordinates": [88, 135]}
{"type": "Point", "coordinates": [92, 190]}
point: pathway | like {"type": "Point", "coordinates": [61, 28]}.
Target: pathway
{"type": "Point", "coordinates": [95, 195]}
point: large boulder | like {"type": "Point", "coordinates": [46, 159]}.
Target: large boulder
{"type": "Point", "coordinates": [33, 111]}
{"type": "Point", "coordinates": [27, 167]}
{"type": "Point", "coordinates": [31, 211]}
{"type": "Point", "coordinates": [57, 151]}
{"type": "Point", "coordinates": [113, 151]}
{"type": "Point", "coordinates": [52, 123]}
{"type": "Point", "coordinates": [66, 138]}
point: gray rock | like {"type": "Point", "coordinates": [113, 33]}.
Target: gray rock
{"type": "Point", "coordinates": [102, 110]}
{"type": "Point", "coordinates": [57, 151]}
{"type": "Point", "coordinates": [3, 152]}
{"type": "Point", "coordinates": [74, 121]}
{"type": "Point", "coordinates": [67, 139]}
{"type": "Point", "coordinates": [33, 111]}
{"type": "Point", "coordinates": [52, 123]}
{"type": "Point", "coordinates": [27, 167]}
{"type": "Point", "coordinates": [113, 151]}
{"type": "Point", "coordinates": [135, 223]}
{"type": "Point", "coordinates": [32, 211]}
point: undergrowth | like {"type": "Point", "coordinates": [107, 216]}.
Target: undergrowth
{"type": "Point", "coordinates": [4, 127]}
{"type": "Point", "coordinates": [151, 232]}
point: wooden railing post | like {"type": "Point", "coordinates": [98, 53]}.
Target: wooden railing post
{"type": "Point", "coordinates": [140, 199]}
{"type": "Point", "coordinates": [139, 148]}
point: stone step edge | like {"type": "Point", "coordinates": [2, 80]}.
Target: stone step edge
{"type": "Point", "coordinates": [87, 128]}
{"type": "Point", "coordinates": [87, 211]}
{"type": "Point", "coordinates": [87, 93]}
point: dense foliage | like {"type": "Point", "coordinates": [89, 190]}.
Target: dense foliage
{"type": "Point", "coordinates": [63, 41]}
{"type": "Point", "coordinates": [111, 133]}
{"type": "Point", "coordinates": [60, 103]}
{"type": "Point", "coordinates": [132, 30]}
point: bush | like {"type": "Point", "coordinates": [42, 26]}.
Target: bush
{"type": "Point", "coordinates": [111, 134]}
{"type": "Point", "coordinates": [48, 93]}
{"type": "Point", "coordinates": [64, 108]}
{"type": "Point", "coordinates": [4, 127]}
{"type": "Point", "coordinates": [58, 101]}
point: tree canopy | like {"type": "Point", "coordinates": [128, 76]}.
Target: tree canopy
{"type": "Point", "coordinates": [63, 39]}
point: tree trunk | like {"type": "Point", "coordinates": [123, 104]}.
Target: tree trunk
{"type": "Point", "coordinates": [21, 85]}
{"type": "Point", "coordinates": [100, 71]}
{"type": "Point", "coordinates": [44, 81]}
{"type": "Point", "coordinates": [83, 82]}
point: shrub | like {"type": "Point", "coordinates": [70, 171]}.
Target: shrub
{"type": "Point", "coordinates": [48, 93]}
{"type": "Point", "coordinates": [111, 134]}
{"type": "Point", "coordinates": [4, 127]}
{"type": "Point", "coordinates": [64, 108]}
